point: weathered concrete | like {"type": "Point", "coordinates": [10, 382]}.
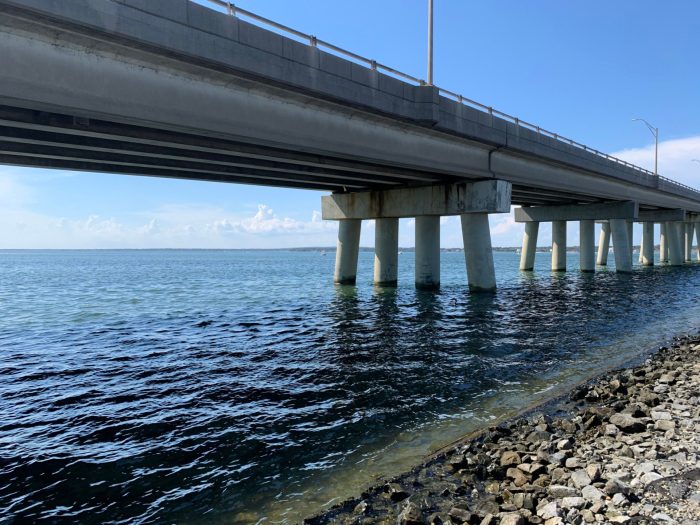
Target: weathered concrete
{"type": "Point", "coordinates": [603, 244]}
{"type": "Point", "coordinates": [587, 245]}
{"type": "Point", "coordinates": [661, 215]}
{"type": "Point", "coordinates": [527, 254]}
{"type": "Point", "coordinates": [428, 252]}
{"type": "Point", "coordinates": [630, 238]}
{"type": "Point", "coordinates": [325, 122]}
{"type": "Point", "coordinates": [386, 252]}
{"type": "Point", "coordinates": [688, 241]}
{"type": "Point", "coordinates": [674, 233]}
{"type": "Point", "coordinates": [559, 246]}
{"type": "Point", "coordinates": [647, 251]}
{"type": "Point", "coordinates": [663, 242]}
{"type": "Point", "coordinates": [492, 196]}
{"type": "Point", "coordinates": [347, 251]}
{"type": "Point", "coordinates": [697, 241]}
{"type": "Point", "coordinates": [478, 253]}
{"type": "Point", "coordinates": [623, 258]}
{"type": "Point", "coordinates": [578, 212]}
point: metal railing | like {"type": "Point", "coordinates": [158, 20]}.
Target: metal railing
{"type": "Point", "coordinates": [313, 41]}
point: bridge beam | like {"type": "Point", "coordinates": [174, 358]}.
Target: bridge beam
{"type": "Point", "coordinates": [486, 196]}
{"type": "Point", "coordinates": [578, 212]}
{"type": "Point", "coordinates": [661, 215]}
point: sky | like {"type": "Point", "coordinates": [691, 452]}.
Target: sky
{"type": "Point", "coordinates": [581, 68]}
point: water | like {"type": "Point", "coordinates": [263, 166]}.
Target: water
{"type": "Point", "coordinates": [243, 387]}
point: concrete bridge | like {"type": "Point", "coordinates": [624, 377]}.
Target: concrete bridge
{"type": "Point", "coordinates": [171, 88]}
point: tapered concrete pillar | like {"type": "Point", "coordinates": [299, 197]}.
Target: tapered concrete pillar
{"type": "Point", "coordinates": [663, 242]}
{"type": "Point", "coordinates": [621, 246]}
{"type": "Point", "coordinates": [675, 243]}
{"type": "Point", "coordinates": [386, 251]}
{"type": "Point", "coordinates": [641, 246]}
{"type": "Point", "coordinates": [587, 245]}
{"type": "Point", "coordinates": [477, 252]}
{"type": "Point", "coordinates": [697, 242]}
{"type": "Point", "coordinates": [603, 244]}
{"type": "Point", "coordinates": [347, 251]}
{"type": "Point", "coordinates": [527, 255]}
{"type": "Point", "coordinates": [689, 231]}
{"type": "Point", "coordinates": [428, 252]}
{"type": "Point", "coordinates": [558, 246]}
{"type": "Point", "coordinates": [647, 251]}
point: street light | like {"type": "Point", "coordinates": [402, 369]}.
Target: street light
{"type": "Point", "coordinates": [430, 42]}
{"type": "Point", "coordinates": [655, 132]}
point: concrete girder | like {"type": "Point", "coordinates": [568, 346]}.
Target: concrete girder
{"type": "Point", "coordinates": [487, 196]}
{"type": "Point", "coordinates": [578, 212]}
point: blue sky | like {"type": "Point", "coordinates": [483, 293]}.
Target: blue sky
{"type": "Point", "coordinates": [582, 68]}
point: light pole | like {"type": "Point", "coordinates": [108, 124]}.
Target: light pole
{"type": "Point", "coordinates": [655, 132]}
{"type": "Point", "coordinates": [430, 42]}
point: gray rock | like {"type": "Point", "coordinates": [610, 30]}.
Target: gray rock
{"type": "Point", "coordinates": [661, 415]}
{"type": "Point", "coordinates": [573, 502]}
{"type": "Point", "coordinates": [627, 423]}
{"type": "Point", "coordinates": [594, 472]}
{"type": "Point", "coordinates": [591, 493]}
{"type": "Point", "coordinates": [561, 491]}
{"type": "Point", "coordinates": [411, 515]}
{"type": "Point", "coordinates": [509, 458]}
{"type": "Point", "coordinates": [650, 477]}
{"type": "Point", "coordinates": [511, 518]}
{"type": "Point", "coordinates": [619, 500]}
{"type": "Point", "coordinates": [550, 510]}
{"type": "Point", "coordinates": [580, 479]}
{"type": "Point", "coordinates": [616, 486]}
{"type": "Point", "coordinates": [459, 515]}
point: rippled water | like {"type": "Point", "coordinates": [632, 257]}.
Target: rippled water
{"type": "Point", "coordinates": [237, 387]}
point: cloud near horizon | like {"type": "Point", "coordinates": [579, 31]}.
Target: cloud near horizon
{"type": "Point", "coordinates": [197, 225]}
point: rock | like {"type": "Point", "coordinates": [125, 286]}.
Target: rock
{"type": "Point", "coordinates": [459, 515]}
{"type": "Point", "coordinates": [664, 425]}
{"type": "Point", "coordinates": [575, 502]}
{"type": "Point", "coordinates": [619, 500]}
{"type": "Point", "coordinates": [591, 493]}
{"type": "Point", "coordinates": [361, 507]}
{"type": "Point", "coordinates": [511, 518]}
{"type": "Point", "coordinates": [538, 436]}
{"type": "Point", "coordinates": [565, 444]}
{"type": "Point", "coordinates": [650, 477]}
{"type": "Point", "coordinates": [572, 463]}
{"type": "Point", "coordinates": [435, 519]}
{"type": "Point", "coordinates": [488, 520]}
{"type": "Point", "coordinates": [660, 415]}
{"type": "Point", "coordinates": [594, 472]}
{"type": "Point", "coordinates": [587, 516]}
{"type": "Point", "coordinates": [411, 515]}
{"type": "Point", "coordinates": [558, 458]}
{"type": "Point", "coordinates": [561, 491]}
{"type": "Point", "coordinates": [522, 500]}
{"type": "Point", "coordinates": [615, 486]}
{"type": "Point", "coordinates": [554, 521]}
{"type": "Point", "coordinates": [611, 430]}
{"type": "Point", "coordinates": [518, 476]}
{"type": "Point", "coordinates": [580, 479]}
{"type": "Point", "coordinates": [550, 510]}
{"type": "Point", "coordinates": [510, 458]}
{"type": "Point", "coordinates": [627, 423]}
{"type": "Point", "coordinates": [396, 493]}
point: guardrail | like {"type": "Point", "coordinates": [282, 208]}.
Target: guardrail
{"type": "Point", "coordinates": [313, 41]}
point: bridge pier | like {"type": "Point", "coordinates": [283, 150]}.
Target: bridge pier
{"type": "Point", "coordinates": [427, 272]}
{"type": "Point", "coordinates": [558, 246]}
{"type": "Point", "coordinates": [386, 251]}
{"type": "Point", "coordinates": [587, 245]}
{"type": "Point", "coordinates": [347, 251]}
{"type": "Point", "coordinates": [697, 241]}
{"type": "Point", "coordinates": [647, 250]}
{"type": "Point", "coordinates": [630, 237]}
{"type": "Point", "coordinates": [689, 231]}
{"type": "Point", "coordinates": [478, 255]}
{"type": "Point", "coordinates": [603, 244]}
{"type": "Point", "coordinates": [663, 242]}
{"type": "Point", "coordinates": [527, 255]}
{"type": "Point", "coordinates": [619, 229]}
{"type": "Point", "coordinates": [473, 201]}
{"type": "Point", "coordinates": [675, 251]}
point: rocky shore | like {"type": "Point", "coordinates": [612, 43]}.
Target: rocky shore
{"type": "Point", "coordinates": [626, 450]}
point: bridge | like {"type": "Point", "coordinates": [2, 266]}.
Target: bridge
{"type": "Point", "coordinates": [173, 88]}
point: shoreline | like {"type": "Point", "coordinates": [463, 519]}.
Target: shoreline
{"type": "Point", "coordinates": [622, 447]}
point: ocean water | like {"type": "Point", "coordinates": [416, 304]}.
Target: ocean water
{"type": "Point", "coordinates": [244, 387]}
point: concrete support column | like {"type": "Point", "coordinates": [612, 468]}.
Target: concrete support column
{"type": "Point", "coordinates": [604, 244]}
{"type": "Point", "coordinates": [675, 249]}
{"type": "Point", "coordinates": [527, 255]}
{"type": "Point", "coordinates": [630, 238]}
{"type": "Point", "coordinates": [689, 231]}
{"type": "Point", "coordinates": [477, 252]}
{"type": "Point", "coordinates": [647, 251]}
{"type": "Point", "coordinates": [386, 251]}
{"type": "Point", "coordinates": [641, 245]}
{"type": "Point", "coordinates": [663, 242]}
{"type": "Point", "coordinates": [697, 241]}
{"type": "Point", "coordinates": [623, 259]}
{"type": "Point", "coordinates": [428, 251]}
{"type": "Point", "coordinates": [347, 251]}
{"type": "Point", "coordinates": [558, 246]}
{"type": "Point", "coordinates": [587, 245]}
